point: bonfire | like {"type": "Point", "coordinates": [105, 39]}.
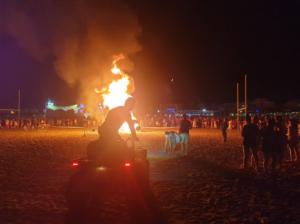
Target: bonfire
{"type": "Point", "coordinates": [118, 91]}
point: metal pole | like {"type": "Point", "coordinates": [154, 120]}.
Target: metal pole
{"type": "Point", "coordinates": [246, 95]}
{"type": "Point", "coordinates": [237, 104]}
{"type": "Point", "coordinates": [19, 107]}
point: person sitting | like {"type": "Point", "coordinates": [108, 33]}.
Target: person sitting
{"type": "Point", "coordinates": [109, 136]}
{"type": "Point", "coordinates": [109, 130]}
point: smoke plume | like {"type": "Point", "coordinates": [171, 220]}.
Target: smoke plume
{"type": "Point", "coordinates": [81, 36]}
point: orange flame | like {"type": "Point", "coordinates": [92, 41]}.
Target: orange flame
{"type": "Point", "coordinates": [115, 70]}
{"type": "Point", "coordinates": [117, 91]}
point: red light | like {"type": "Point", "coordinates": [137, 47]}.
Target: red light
{"type": "Point", "coordinates": [127, 164]}
{"type": "Point", "coordinates": [75, 164]}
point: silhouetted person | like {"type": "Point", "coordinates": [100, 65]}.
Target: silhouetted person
{"type": "Point", "coordinates": [109, 136]}
{"type": "Point", "coordinates": [184, 129]}
{"type": "Point", "coordinates": [294, 140]}
{"type": "Point", "coordinates": [283, 139]}
{"type": "Point", "coordinates": [224, 127]}
{"type": "Point", "coordinates": [115, 118]}
{"type": "Point", "coordinates": [250, 133]}
{"type": "Point", "coordinates": [270, 144]}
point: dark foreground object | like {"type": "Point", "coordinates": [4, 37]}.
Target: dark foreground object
{"type": "Point", "coordinates": [119, 174]}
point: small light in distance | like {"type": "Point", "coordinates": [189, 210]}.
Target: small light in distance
{"type": "Point", "coordinates": [127, 164]}
{"type": "Point", "coordinates": [75, 164]}
{"type": "Point", "coordinates": [101, 168]}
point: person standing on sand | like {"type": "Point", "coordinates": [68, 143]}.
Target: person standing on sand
{"type": "Point", "coordinates": [250, 133]}
{"type": "Point", "coordinates": [294, 141]}
{"type": "Point", "coordinates": [283, 139]}
{"type": "Point", "coordinates": [184, 129]}
{"type": "Point", "coordinates": [270, 145]}
{"type": "Point", "coordinates": [224, 127]}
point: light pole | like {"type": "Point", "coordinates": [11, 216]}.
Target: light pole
{"type": "Point", "coordinates": [19, 107]}
{"type": "Point", "coordinates": [245, 108]}
{"type": "Point", "coordinates": [237, 103]}
{"type": "Point", "coordinates": [246, 95]}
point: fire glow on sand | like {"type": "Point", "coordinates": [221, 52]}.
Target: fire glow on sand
{"type": "Point", "coordinates": [118, 91]}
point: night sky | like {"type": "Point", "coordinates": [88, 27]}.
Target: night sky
{"type": "Point", "coordinates": [205, 46]}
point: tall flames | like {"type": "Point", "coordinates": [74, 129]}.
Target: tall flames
{"type": "Point", "coordinates": [117, 91]}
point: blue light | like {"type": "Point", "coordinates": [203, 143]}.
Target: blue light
{"type": "Point", "coordinates": [50, 104]}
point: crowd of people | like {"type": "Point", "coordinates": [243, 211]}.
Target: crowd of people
{"type": "Point", "coordinates": [145, 121]}
{"type": "Point", "coordinates": [41, 123]}
{"type": "Point", "coordinates": [197, 121]}
{"type": "Point", "coordinates": [276, 137]}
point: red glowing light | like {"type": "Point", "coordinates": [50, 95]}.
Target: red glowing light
{"type": "Point", "coordinates": [127, 164]}
{"type": "Point", "coordinates": [75, 164]}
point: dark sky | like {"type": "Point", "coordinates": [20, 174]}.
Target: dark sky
{"type": "Point", "coordinates": [206, 46]}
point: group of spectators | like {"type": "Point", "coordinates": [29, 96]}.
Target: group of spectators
{"type": "Point", "coordinates": [40, 123]}
{"type": "Point", "coordinates": [174, 121]}
{"type": "Point", "coordinates": [158, 120]}
{"type": "Point", "coordinates": [276, 137]}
